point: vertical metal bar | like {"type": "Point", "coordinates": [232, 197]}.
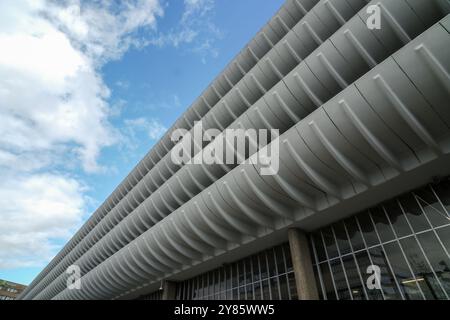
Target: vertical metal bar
{"type": "Point", "coordinates": [277, 274]}
{"type": "Point", "coordinates": [329, 265]}
{"type": "Point", "coordinates": [425, 256]}
{"type": "Point", "coordinates": [367, 248]}
{"type": "Point", "coordinates": [403, 253]}
{"type": "Point", "coordinates": [363, 284]}
{"type": "Point", "coordinates": [426, 217]}
{"type": "Point", "coordinates": [316, 265]}
{"type": "Point", "coordinates": [342, 262]}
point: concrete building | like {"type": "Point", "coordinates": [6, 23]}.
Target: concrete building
{"type": "Point", "coordinates": [10, 290]}
{"type": "Point", "coordinates": [361, 193]}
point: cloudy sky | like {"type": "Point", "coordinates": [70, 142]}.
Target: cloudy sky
{"type": "Point", "coordinates": [86, 89]}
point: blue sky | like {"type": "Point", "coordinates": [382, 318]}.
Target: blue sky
{"type": "Point", "coordinates": [86, 89]}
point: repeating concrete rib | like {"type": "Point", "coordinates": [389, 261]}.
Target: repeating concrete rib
{"type": "Point", "coordinates": [359, 123]}
{"type": "Point", "coordinates": [288, 15]}
{"type": "Point", "coordinates": [173, 187]}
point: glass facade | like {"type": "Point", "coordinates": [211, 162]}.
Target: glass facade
{"type": "Point", "coordinates": [157, 295]}
{"type": "Point", "coordinates": [407, 238]}
{"type": "Point", "coordinates": [266, 275]}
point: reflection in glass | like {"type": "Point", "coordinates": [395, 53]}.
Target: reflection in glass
{"type": "Point", "coordinates": [414, 213]}
{"type": "Point", "coordinates": [422, 270]}
{"type": "Point", "coordinates": [235, 294]}
{"type": "Point", "coordinates": [284, 290]}
{"type": "Point", "coordinates": [228, 270]}
{"type": "Point", "coordinates": [241, 274]}
{"type": "Point", "coordinates": [195, 287]}
{"type": "Point", "coordinates": [271, 263]}
{"type": "Point", "coordinates": [327, 281]}
{"type": "Point", "coordinates": [248, 271]}
{"type": "Point", "coordinates": [432, 208]}
{"type": "Point", "coordinates": [249, 291]}
{"type": "Point", "coordinates": [437, 257]}
{"type": "Point", "coordinates": [354, 233]}
{"type": "Point", "coordinates": [274, 288]}
{"type": "Point", "coordinates": [444, 235]}
{"type": "Point", "coordinates": [242, 295]}
{"type": "Point", "coordinates": [223, 279]}
{"type": "Point", "coordinates": [266, 290]}
{"type": "Point", "coordinates": [353, 278]}
{"type": "Point", "coordinates": [443, 192]}
{"type": "Point", "coordinates": [263, 266]}
{"type": "Point", "coordinates": [257, 290]}
{"type": "Point", "coordinates": [216, 282]}
{"type": "Point", "coordinates": [367, 229]}
{"type": "Point", "coordinates": [382, 224]}
{"type": "Point", "coordinates": [208, 284]}
{"type": "Point", "coordinates": [397, 219]}
{"type": "Point", "coordinates": [318, 245]}
{"type": "Point", "coordinates": [402, 272]}
{"type": "Point", "coordinates": [330, 243]}
{"type": "Point", "coordinates": [234, 270]}
{"type": "Point", "coordinates": [388, 284]}
{"type": "Point", "coordinates": [204, 285]}
{"type": "Point", "coordinates": [339, 280]}
{"type": "Point", "coordinates": [255, 266]}
{"type": "Point", "coordinates": [280, 260]}
{"type": "Point", "coordinates": [341, 237]}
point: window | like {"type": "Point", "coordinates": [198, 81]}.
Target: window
{"type": "Point", "coordinates": [408, 238]}
{"type": "Point", "coordinates": [266, 275]}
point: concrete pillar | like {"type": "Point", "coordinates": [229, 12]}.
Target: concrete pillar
{"type": "Point", "coordinates": [302, 264]}
{"type": "Point", "coordinates": [169, 290]}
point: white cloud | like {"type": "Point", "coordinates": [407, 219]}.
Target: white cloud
{"type": "Point", "coordinates": [195, 28]}
{"type": "Point", "coordinates": [197, 8]}
{"type": "Point", "coordinates": [152, 127]}
{"type": "Point", "coordinates": [27, 162]}
{"type": "Point", "coordinates": [37, 211]}
{"type": "Point", "coordinates": [104, 29]}
{"type": "Point", "coordinates": [51, 52]}
{"type": "Point", "coordinates": [54, 111]}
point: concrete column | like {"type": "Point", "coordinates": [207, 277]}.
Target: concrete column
{"type": "Point", "coordinates": [302, 264]}
{"type": "Point", "coordinates": [169, 290]}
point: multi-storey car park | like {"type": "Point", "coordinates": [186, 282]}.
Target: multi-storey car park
{"type": "Point", "coordinates": [363, 180]}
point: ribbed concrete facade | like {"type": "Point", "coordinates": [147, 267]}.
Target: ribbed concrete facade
{"type": "Point", "coordinates": [363, 115]}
